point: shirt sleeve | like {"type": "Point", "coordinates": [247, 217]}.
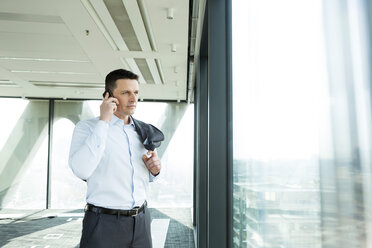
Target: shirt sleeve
{"type": "Point", "coordinates": [87, 148]}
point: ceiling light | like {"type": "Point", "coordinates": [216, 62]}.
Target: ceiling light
{"type": "Point", "coordinates": [7, 83]}
{"type": "Point", "coordinates": [170, 14]}
{"type": "Point", "coordinates": [44, 59]}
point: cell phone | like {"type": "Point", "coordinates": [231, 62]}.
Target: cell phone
{"type": "Point", "coordinates": [110, 93]}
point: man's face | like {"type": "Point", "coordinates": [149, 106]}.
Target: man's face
{"type": "Point", "coordinates": [126, 92]}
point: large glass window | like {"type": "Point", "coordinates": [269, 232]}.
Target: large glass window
{"type": "Point", "coordinates": [174, 188]}
{"type": "Point", "coordinates": [278, 78]}
{"type": "Point", "coordinates": [302, 124]}
{"type": "Point", "coordinates": [67, 191]}
{"type": "Point", "coordinates": [175, 185]}
{"type": "Point", "coordinates": [23, 153]}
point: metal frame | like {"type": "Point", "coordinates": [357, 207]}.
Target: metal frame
{"type": "Point", "coordinates": [49, 164]}
{"type": "Point", "coordinates": [213, 107]}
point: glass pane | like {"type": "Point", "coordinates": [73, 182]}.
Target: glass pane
{"type": "Point", "coordinates": [67, 191]}
{"type": "Point", "coordinates": [302, 124]}
{"type": "Point", "coordinates": [24, 153]}
{"type": "Point", "coordinates": [279, 84]}
{"type": "Point", "coordinates": [174, 188]}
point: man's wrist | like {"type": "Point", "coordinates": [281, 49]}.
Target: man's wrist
{"type": "Point", "coordinates": [155, 173]}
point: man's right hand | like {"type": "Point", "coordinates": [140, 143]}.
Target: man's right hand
{"type": "Point", "coordinates": [108, 108]}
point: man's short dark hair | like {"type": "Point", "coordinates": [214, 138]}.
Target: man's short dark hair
{"type": "Point", "coordinates": [110, 81]}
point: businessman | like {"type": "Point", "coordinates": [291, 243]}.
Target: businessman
{"type": "Point", "coordinates": [108, 152]}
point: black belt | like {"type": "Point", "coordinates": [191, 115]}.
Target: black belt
{"type": "Point", "coordinates": [99, 210]}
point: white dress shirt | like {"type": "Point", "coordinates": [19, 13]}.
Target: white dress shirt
{"type": "Point", "coordinates": [109, 157]}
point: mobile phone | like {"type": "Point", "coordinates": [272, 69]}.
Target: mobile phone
{"type": "Point", "coordinates": [110, 93]}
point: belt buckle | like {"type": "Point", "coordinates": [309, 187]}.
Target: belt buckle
{"type": "Point", "coordinates": [136, 209]}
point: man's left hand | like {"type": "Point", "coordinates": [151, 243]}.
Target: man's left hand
{"type": "Point", "coordinates": [152, 162]}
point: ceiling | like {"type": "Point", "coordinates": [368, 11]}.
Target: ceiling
{"type": "Point", "coordinates": [64, 49]}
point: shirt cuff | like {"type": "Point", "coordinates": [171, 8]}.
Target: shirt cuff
{"type": "Point", "coordinates": [154, 178]}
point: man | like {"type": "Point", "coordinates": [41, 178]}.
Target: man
{"type": "Point", "coordinates": [108, 153]}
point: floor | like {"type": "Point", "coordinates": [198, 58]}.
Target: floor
{"type": "Point", "coordinates": [171, 227]}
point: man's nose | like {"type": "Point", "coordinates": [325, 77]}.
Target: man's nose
{"type": "Point", "coordinates": [133, 97]}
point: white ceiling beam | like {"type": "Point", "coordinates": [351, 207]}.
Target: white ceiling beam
{"type": "Point", "coordinates": [15, 79]}
{"type": "Point", "coordinates": [138, 24]}
{"type": "Point", "coordinates": [139, 28]}
{"type": "Point", "coordinates": [107, 25]}
{"type": "Point", "coordinates": [132, 65]}
{"type": "Point", "coordinates": [140, 55]}
{"type": "Point", "coordinates": [147, 91]}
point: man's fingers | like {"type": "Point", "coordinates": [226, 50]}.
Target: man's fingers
{"type": "Point", "coordinates": [151, 163]}
{"type": "Point", "coordinates": [152, 159]}
{"type": "Point", "coordinates": [154, 154]}
{"type": "Point", "coordinates": [144, 158]}
{"type": "Point", "coordinates": [106, 95]}
{"type": "Point", "coordinates": [112, 100]}
{"type": "Point", "coordinates": [116, 101]}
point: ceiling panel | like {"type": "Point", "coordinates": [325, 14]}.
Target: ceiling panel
{"type": "Point", "coordinates": [36, 35]}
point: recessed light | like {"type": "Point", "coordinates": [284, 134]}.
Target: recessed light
{"type": "Point", "coordinates": [54, 72]}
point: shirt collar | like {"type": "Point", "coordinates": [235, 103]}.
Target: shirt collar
{"type": "Point", "coordinates": [115, 119]}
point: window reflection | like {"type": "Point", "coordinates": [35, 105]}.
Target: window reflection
{"type": "Point", "coordinates": [279, 75]}
{"type": "Point", "coordinates": [302, 124]}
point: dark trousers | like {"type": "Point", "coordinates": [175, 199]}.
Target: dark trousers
{"type": "Point", "coordinates": [109, 231]}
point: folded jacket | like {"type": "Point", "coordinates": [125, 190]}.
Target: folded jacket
{"type": "Point", "coordinates": [151, 137]}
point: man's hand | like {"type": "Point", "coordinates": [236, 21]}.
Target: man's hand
{"type": "Point", "coordinates": [152, 162]}
{"type": "Point", "coordinates": [108, 108]}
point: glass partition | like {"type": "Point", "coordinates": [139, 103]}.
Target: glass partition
{"type": "Point", "coordinates": [302, 124]}
{"type": "Point", "coordinates": [279, 76]}
{"type": "Point", "coordinates": [23, 153]}
{"type": "Point", "coordinates": [67, 191]}
{"type": "Point", "coordinates": [174, 188]}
